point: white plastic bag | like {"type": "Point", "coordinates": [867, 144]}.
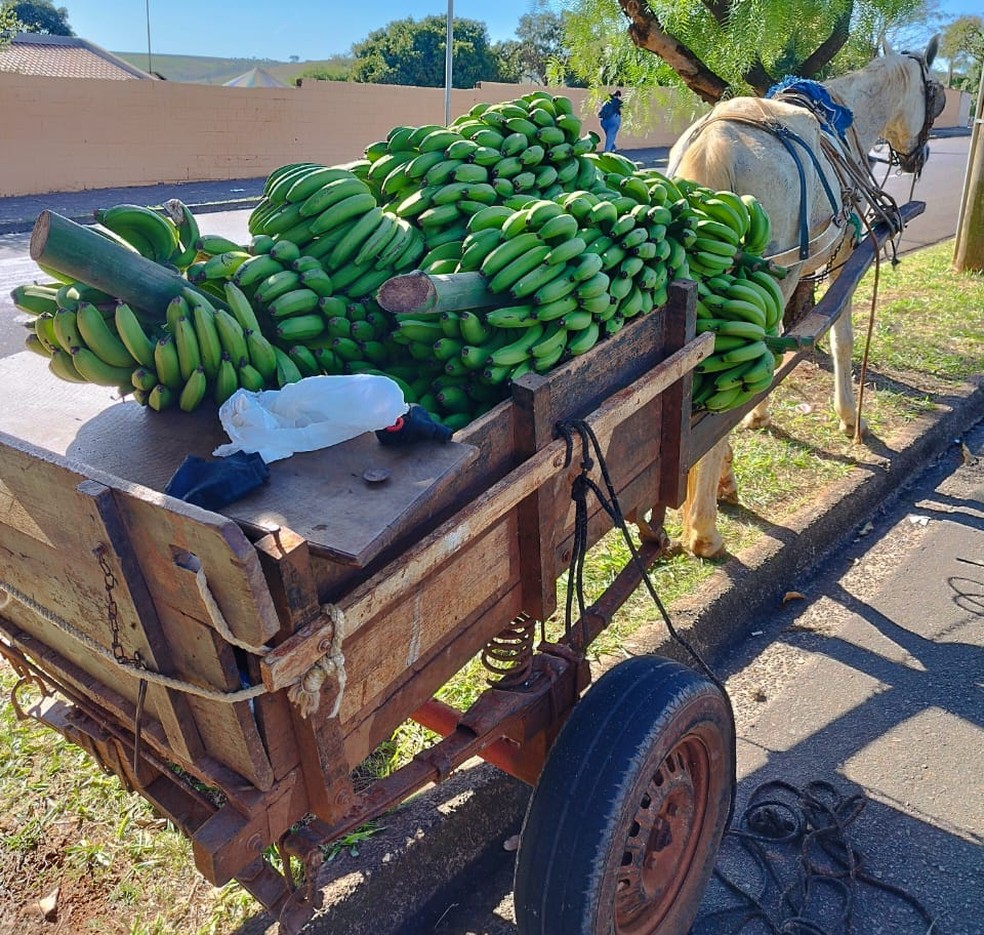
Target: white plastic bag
{"type": "Point", "coordinates": [313, 413]}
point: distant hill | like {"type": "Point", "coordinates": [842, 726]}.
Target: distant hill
{"type": "Point", "coordinates": [201, 69]}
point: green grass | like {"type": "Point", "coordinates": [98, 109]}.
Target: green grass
{"type": "Point", "coordinates": [64, 823]}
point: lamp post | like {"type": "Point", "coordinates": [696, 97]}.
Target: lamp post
{"type": "Point", "coordinates": [448, 40]}
{"type": "Point", "coordinates": [150, 60]}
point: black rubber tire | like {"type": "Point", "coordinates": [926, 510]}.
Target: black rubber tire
{"type": "Point", "coordinates": [648, 737]}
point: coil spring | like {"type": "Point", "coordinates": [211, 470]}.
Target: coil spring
{"type": "Point", "coordinates": [509, 654]}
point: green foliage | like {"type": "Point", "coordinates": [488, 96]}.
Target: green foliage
{"type": "Point", "coordinates": [41, 16]}
{"type": "Point", "coordinates": [409, 52]}
{"type": "Point", "coordinates": [731, 39]}
{"type": "Point", "coordinates": [538, 47]}
{"type": "Point", "coordinates": [9, 25]}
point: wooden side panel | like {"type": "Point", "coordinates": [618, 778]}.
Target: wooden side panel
{"type": "Point", "coordinates": [53, 521]}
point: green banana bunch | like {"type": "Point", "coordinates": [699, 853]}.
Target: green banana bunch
{"type": "Point", "coordinates": [151, 234]}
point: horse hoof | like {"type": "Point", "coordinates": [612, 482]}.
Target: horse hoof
{"type": "Point", "coordinates": [728, 495]}
{"type": "Point", "coordinates": [704, 546]}
{"type": "Point", "coordinates": [848, 428]}
{"type": "Point", "coordinates": [756, 420]}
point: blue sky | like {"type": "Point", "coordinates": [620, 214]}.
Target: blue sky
{"type": "Point", "coordinates": [309, 29]}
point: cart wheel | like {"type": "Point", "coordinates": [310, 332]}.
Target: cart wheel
{"type": "Point", "coordinates": [623, 828]}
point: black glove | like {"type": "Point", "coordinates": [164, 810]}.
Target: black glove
{"type": "Point", "coordinates": [213, 484]}
{"type": "Point", "coordinates": [415, 426]}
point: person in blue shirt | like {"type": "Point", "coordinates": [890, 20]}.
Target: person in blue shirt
{"type": "Point", "coordinates": [610, 116]}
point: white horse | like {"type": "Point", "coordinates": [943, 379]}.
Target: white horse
{"type": "Point", "coordinates": [749, 146]}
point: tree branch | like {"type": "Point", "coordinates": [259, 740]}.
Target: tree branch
{"type": "Point", "coordinates": [827, 49]}
{"type": "Point", "coordinates": [647, 33]}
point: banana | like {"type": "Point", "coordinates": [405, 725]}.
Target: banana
{"type": "Point", "coordinates": [255, 270]}
{"type": "Point", "coordinates": [494, 216]}
{"type": "Point", "coordinates": [131, 333]}
{"type": "Point", "coordinates": [100, 338]}
{"type": "Point", "coordinates": [718, 247]}
{"type": "Point", "coordinates": [207, 338]}
{"type": "Point", "coordinates": [33, 343]}
{"type": "Point", "coordinates": [60, 364]}
{"type": "Point", "coordinates": [35, 299]}
{"type": "Point", "coordinates": [193, 391]}
{"type": "Point", "coordinates": [381, 236]}
{"type": "Point", "coordinates": [276, 285]}
{"type": "Point", "coordinates": [166, 362]}
{"type": "Point", "coordinates": [186, 225]}
{"type": "Point", "coordinates": [508, 275]}
{"type": "Point", "coordinates": [405, 234]}
{"type": "Point", "coordinates": [519, 350]}
{"type": "Point", "coordinates": [239, 306]}
{"type": "Point", "coordinates": [509, 250]}
{"type": "Point", "coordinates": [231, 335]}
{"type": "Point", "coordinates": [330, 194]}
{"type": "Point", "coordinates": [580, 342]}
{"type": "Point", "coordinates": [739, 310]}
{"type": "Point", "coordinates": [144, 378]}
{"type": "Point", "coordinates": [260, 353]}
{"type": "Point", "coordinates": [186, 342]}
{"type": "Point", "coordinates": [160, 398]}
{"type": "Point", "coordinates": [215, 244]}
{"type": "Point", "coordinates": [345, 210]}
{"type": "Point", "coordinates": [759, 232]}
{"type": "Point", "coordinates": [355, 237]}
{"type": "Point", "coordinates": [66, 330]}
{"type": "Point", "coordinates": [414, 330]}
{"type": "Point", "coordinates": [287, 371]}
{"type": "Point", "coordinates": [223, 265]}
{"type": "Point", "coordinates": [476, 246]}
{"type": "Point", "coordinates": [769, 287]}
{"type": "Point", "coordinates": [438, 139]}
{"type": "Point", "coordinates": [319, 281]}
{"type": "Point", "coordinates": [44, 331]}
{"type": "Point", "coordinates": [550, 291]}
{"type": "Point", "coordinates": [539, 280]}
{"type": "Point", "coordinates": [724, 212]}
{"type": "Point", "coordinates": [303, 358]}
{"type": "Point", "coordinates": [311, 182]}
{"type": "Point", "coordinates": [296, 302]}
{"type": "Point", "coordinates": [143, 224]}
{"type": "Point", "coordinates": [300, 328]}
{"type": "Point", "coordinates": [227, 380]}
{"type": "Point", "coordinates": [595, 285]}
{"type": "Point", "coordinates": [279, 182]}
{"type": "Point", "coordinates": [513, 316]}
{"type": "Point", "coordinates": [552, 311]}
{"type": "Point", "coordinates": [94, 369]}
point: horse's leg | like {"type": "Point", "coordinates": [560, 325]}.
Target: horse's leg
{"type": "Point", "coordinates": [841, 351]}
{"type": "Point", "coordinates": [699, 511]}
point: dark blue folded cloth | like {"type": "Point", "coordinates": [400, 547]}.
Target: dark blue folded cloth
{"type": "Point", "coordinates": [417, 425]}
{"type": "Point", "coordinates": [213, 484]}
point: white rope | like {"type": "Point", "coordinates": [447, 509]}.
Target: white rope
{"type": "Point", "coordinates": [217, 618]}
{"type": "Point", "coordinates": [132, 669]}
{"type": "Point", "coordinates": [306, 693]}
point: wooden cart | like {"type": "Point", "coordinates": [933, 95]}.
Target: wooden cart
{"type": "Point", "coordinates": [235, 669]}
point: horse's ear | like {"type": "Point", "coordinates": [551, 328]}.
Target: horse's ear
{"type": "Point", "coordinates": [886, 47]}
{"type": "Point", "coordinates": [932, 49]}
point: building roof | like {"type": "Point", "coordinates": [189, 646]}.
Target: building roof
{"type": "Point", "coordinates": [64, 57]}
{"type": "Point", "coordinates": [256, 78]}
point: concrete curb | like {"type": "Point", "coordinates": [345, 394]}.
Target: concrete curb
{"type": "Point", "coordinates": [447, 829]}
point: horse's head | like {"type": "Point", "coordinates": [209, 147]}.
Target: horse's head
{"type": "Point", "coordinates": [922, 102]}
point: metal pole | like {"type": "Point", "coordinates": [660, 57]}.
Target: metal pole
{"type": "Point", "coordinates": [449, 40]}
{"type": "Point", "coordinates": [150, 60]}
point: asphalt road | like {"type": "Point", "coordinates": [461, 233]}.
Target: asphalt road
{"type": "Point", "coordinates": [872, 683]}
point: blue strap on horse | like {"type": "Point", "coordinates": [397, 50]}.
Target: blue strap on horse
{"type": "Point", "coordinates": [834, 118]}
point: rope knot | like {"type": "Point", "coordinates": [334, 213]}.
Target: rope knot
{"type": "Point", "coordinates": [306, 693]}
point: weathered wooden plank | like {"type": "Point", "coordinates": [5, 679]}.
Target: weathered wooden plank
{"type": "Point", "coordinates": [397, 583]}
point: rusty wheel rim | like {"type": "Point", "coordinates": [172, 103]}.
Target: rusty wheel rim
{"type": "Point", "coordinates": [662, 837]}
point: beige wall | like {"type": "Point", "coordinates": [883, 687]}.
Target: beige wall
{"type": "Point", "coordinates": [68, 135]}
{"type": "Point", "coordinates": [63, 134]}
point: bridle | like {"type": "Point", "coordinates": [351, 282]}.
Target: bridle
{"type": "Point", "coordinates": [934, 101]}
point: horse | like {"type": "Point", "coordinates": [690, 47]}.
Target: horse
{"type": "Point", "coordinates": [804, 156]}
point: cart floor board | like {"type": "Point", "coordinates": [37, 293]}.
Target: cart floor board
{"type": "Point", "coordinates": [320, 495]}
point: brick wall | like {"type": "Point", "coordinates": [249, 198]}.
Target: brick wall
{"type": "Point", "coordinates": [64, 134]}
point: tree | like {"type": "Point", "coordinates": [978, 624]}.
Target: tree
{"type": "Point", "coordinates": [538, 45]}
{"type": "Point", "coordinates": [9, 25]}
{"type": "Point", "coordinates": [720, 48]}
{"type": "Point", "coordinates": [412, 53]}
{"type": "Point", "coordinates": [41, 16]}
{"type": "Point", "coordinates": [962, 45]}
